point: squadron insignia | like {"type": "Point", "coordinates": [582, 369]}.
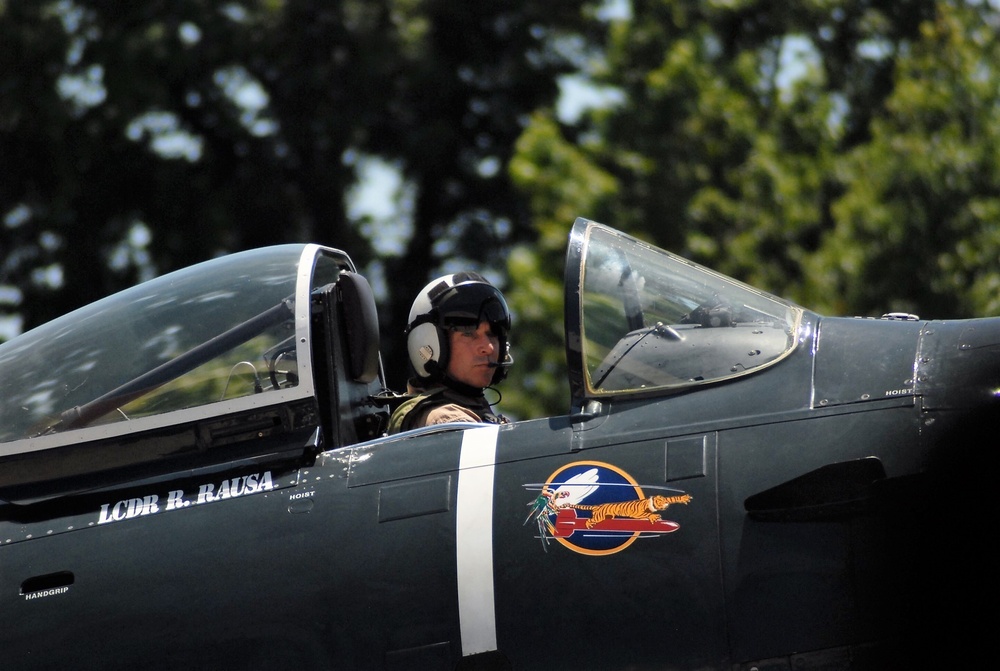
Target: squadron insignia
{"type": "Point", "coordinates": [595, 508]}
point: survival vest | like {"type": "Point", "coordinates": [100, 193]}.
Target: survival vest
{"type": "Point", "coordinates": [404, 416]}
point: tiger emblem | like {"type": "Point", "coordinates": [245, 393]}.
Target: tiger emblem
{"type": "Point", "coordinates": [647, 508]}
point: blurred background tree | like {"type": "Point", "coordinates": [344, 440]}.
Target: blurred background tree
{"type": "Point", "coordinates": [843, 154]}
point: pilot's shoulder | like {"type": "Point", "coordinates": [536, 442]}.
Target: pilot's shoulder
{"type": "Point", "coordinates": [411, 413]}
{"type": "Point", "coordinates": [451, 412]}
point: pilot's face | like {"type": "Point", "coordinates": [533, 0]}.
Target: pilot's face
{"type": "Point", "coordinates": [473, 349]}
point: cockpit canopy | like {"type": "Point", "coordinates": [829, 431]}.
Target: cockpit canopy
{"type": "Point", "coordinates": [231, 332]}
{"type": "Point", "coordinates": [640, 320]}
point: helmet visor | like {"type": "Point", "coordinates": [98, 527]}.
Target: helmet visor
{"type": "Point", "coordinates": [471, 304]}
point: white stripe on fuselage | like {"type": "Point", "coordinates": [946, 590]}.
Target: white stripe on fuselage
{"type": "Point", "coordinates": [474, 542]}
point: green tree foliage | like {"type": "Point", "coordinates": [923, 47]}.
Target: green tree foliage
{"type": "Point", "coordinates": [133, 152]}
{"type": "Point", "coordinates": [918, 225]}
{"type": "Point", "coordinates": [562, 184]}
{"type": "Point", "coordinates": [729, 160]}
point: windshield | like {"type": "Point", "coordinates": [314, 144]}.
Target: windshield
{"type": "Point", "coordinates": [649, 320]}
{"type": "Point", "coordinates": [221, 330]}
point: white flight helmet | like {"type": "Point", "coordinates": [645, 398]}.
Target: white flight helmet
{"type": "Point", "coordinates": [459, 299]}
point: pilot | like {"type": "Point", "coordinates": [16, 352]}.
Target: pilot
{"type": "Point", "coordinates": [456, 339]}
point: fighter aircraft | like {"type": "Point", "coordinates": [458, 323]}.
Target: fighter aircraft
{"type": "Point", "coordinates": [195, 473]}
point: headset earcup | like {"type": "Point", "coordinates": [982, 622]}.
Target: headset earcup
{"type": "Point", "coordinates": [423, 344]}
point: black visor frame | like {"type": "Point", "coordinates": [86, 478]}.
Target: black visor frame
{"type": "Point", "coordinates": [470, 304]}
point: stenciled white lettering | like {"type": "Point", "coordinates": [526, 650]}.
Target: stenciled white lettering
{"type": "Point", "coordinates": [45, 592]}
{"type": "Point", "coordinates": [207, 493]}
{"type": "Point", "coordinates": [265, 481]}
{"type": "Point", "coordinates": [128, 509]}
{"type": "Point", "coordinates": [175, 499]}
